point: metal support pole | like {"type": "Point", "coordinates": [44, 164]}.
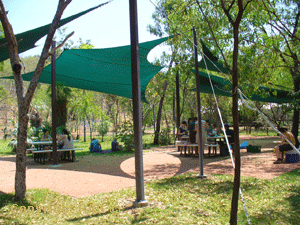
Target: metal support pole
{"type": "Point", "coordinates": [54, 105]}
{"type": "Point", "coordinates": [199, 133]}
{"type": "Point", "coordinates": [137, 111]}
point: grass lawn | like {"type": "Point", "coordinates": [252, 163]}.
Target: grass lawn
{"type": "Point", "coordinates": [182, 199]}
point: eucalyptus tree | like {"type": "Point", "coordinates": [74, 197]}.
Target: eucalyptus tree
{"type": "Point", "coordinates": [23, 98]}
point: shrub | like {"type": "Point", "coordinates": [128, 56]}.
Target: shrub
{"type": "Point", "coordinates": [103, 128]}
{"type": "Point", "coordinates": [125, 134]}
{"type": "Point", "coordinates": [164, 137]}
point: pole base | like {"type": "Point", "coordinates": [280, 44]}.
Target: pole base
{"type": "Point", "coordinates": [202, 176]}
{"type": "Point", "coordinates": [140, 204]}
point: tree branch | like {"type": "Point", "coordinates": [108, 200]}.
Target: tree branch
{"type": "Point", "coordinates": [226, 11]}
{"type": "Point", "coordinates": [214, 38]}
{"type": "Point", "coordinates": [45, 52]}
{"type": "Point", "coordinates": [60, 45]}
{"type": "Point", "coordinates": [13, 52]}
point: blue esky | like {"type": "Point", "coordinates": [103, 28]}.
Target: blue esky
{"type": "Point", "coordinates": [107, 26]}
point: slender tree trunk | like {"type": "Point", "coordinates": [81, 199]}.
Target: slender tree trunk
{"type": "Point", "coordinates": [154, 120]}
{"type": "Point", "coordinates": [174, 119]}
{"type": "Point", "coordinates": [20, 177]}
{"type": "Point", "coordinates": [91, 129]}
{"type": "Point", "coordinates": [235, 116]}
{"type": "Point", "coordinates": [84, 131]}
{"type": "Point", "coordinates": [177, 100]}
{"type": "Point", "coordinates": [156, 135]}
{"type": "Point", "coordinates": [295, 127]}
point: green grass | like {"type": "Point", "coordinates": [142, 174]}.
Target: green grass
{"type": "Point", "coordinates": [182, 199]}
{"type": "Point", "coordinates": [4, 148]}
{"type": "Point", "coordinates": [259, 132]}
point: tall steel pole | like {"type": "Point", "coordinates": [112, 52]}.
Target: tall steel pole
{"type": "Point", "coordinates": [54, 105]}
{"type": "Point", "coordinates": [199, 133]}
{"type": "Point", "coordinates": [137, 109]}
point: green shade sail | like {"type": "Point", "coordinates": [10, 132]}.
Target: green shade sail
{"type": "Point", "coordinates": [211, 63]}
{"type": "Point", "coordinates": [27, 40]}
{"type": "Point", "coordinates": [104, 70]}
{"type": "Point", "coordinates": [223, 87]}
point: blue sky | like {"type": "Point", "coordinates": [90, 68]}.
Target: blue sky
{"type": "Point", "coordinates": [107, 26]}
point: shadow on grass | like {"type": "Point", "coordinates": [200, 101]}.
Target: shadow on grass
{"type": "Point", "coordinates": [78, 219]}
{"type": "Point", "coordinates": [13, 205]}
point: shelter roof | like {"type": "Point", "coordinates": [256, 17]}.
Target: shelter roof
{"type": "Point", "coordinates": [27, 40]}
{"type": "Point", "coordinates": [104, 70]}
{"type": "Point", "coordinates": [223, 87]}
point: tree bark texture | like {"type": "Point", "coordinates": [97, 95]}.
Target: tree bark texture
{"type": "Point", "coordinates": [156, 136]}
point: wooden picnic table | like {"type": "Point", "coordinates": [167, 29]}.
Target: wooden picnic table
{"type": "Point", "coordinates": [40, 154]}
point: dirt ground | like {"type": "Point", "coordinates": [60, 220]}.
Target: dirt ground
{"type": "Point", "coordinates": [94, 174]}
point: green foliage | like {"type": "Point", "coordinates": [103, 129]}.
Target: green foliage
{"type": "Point", "coordinates": [5, 149]}
{"type": "Point", "coordinates": [103, 127]}
{"type": "Point", "coordinates": [164, 137]}
{"type": "Point", "coordinates": [125, 134]}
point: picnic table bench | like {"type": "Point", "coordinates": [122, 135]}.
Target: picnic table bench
{"type": "Point", "coordinates": [191, 149]}
{"type": "Point", "coordinates": [40, 155]}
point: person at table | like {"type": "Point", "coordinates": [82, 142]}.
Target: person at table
{"type": "Point", "coordinates": [192, 132]}
{"type": "Point", "coordinates": [115, 145]}
{"type": "Point", "coordinates": [284, 145]}
{"type": "Point", "coordinates": [95, 146]}
{"type": "Point", "coordinates": [230, 134]}
{"type": "Point", "coordinates": [65, 142]}
{"type": "Point", "coordinates": [214, 131]}
{"type": "Point", "coordinates": [223, 145]}
{"type": "Point", "coordinates": [182, 130]}
{"type": "Point", "coordinates": [208, 128]}
{"type": "Point", "coordinates": [46, 136]}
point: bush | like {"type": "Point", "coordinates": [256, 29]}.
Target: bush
{"type": "Point", "coordinates": [164, 137]}
{"type": "Point", "coordinates": [125, 134]}
{"type": "Point", "coordinates": [103, 128]}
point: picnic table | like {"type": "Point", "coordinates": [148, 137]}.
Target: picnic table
{"type": "Point", "coordinates": [40, 154]}
{"type": "Point", "coordinates": [212, 143]}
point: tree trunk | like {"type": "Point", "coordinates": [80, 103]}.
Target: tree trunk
{"type": "Point", "coordinates": [84, 131]}
{"type": "Point", "coordinates": [24, 100]}
{"type": "Point", "coordinates": [177, 100]}
{"type": "Point", "coordinates": [174, 118]}
{"type": "Point", "coordinates": [235, 117]}
{"type": "Point", "coordinates": [156, 135]}
{"type": "Point", "coordinates": [20, 177]}
{"type": "Point", "coordinates": [295, 127]}
{"type": "Point", "coordinates": [91, 129]}
{"type": "Point", "coordinates": [154, 118]}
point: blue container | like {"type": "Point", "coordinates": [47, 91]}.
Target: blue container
{"type": "Point", "coordinates": [292, 158]}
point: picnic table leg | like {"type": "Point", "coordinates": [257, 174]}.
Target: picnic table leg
{"type": "Point", "coordinates": [73, 156]}
{"type": "Point", "coordinates": [44, 156]}
{"type": "Point", "coordinates": [196, 150]}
